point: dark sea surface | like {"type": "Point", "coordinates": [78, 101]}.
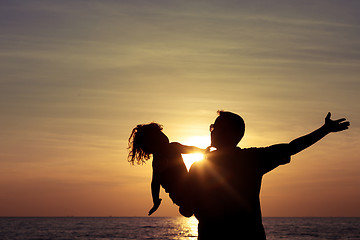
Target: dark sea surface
{"type": "Point", "coordinates": [166, 228]}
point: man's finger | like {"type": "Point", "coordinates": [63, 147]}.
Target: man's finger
{"type": "Point", "coordinates": [342, 126]}
{"type": "Point", "coordinates": [340, 120]}
{"type": "Point", "coordinates": [347, 124]}
{"type": "Point", "coordinates": [328, 116]}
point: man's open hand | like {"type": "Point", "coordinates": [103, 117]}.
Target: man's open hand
{"type": "Point", "coordinates": [335, 125]}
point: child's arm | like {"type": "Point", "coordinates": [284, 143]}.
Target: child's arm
{"type": "Point", "coordinates": [155, 192]}
{"type": "Point", "coordinates": [188, 149]}
{"type": "Point", "coordinates": [306, 141]}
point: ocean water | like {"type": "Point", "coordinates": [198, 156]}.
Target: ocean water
{"type": "Point", "coordinates": [167, 228]}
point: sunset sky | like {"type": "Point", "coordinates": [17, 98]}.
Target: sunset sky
{"type": "Point", "coordinates": [77, 76]}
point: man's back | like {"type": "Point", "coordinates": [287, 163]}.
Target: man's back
{"type": "Point", "coordinates": [226, 192]}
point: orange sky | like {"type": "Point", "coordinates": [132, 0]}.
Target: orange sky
{"type": "Point", "coordinates": [77, 76]}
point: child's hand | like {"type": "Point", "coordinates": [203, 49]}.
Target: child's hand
{"type": "Point", "coordinates": [207, 150]}
{"type": "Point", "coordinates": [335, 125]}
{"type": "Point", "coordinates": [155, 207]}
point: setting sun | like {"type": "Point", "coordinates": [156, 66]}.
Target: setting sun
{"type": "Point", "coordinates": [197, 141]}
{"type": "Point", "coordinates": [189, 159]}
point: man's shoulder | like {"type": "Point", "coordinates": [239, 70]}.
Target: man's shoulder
{"type": "Point", "coordinates": [234, 154]}
{"type": "Point", "coordinates": [255, 150]}
{"type": "Point", "coordinates": [249, 151]}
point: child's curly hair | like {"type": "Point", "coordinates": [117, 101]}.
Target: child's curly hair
{"type": "Point", "coordinates": [139, 152]}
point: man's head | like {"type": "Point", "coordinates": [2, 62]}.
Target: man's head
{"type": "Point", "coordinates": [227, 131]}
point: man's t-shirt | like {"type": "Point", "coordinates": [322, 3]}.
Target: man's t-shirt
{"type": "Point", "coordinates": [225, 190]}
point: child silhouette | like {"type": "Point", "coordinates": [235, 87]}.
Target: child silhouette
{"type": "Point", "coordinates": [169, 169]}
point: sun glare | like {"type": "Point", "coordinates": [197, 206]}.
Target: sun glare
{"type": "Point", "coordinates": [197, 141]}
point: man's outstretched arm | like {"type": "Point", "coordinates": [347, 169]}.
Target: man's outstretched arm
{"type": "Point", "coordinates": [306, 141]}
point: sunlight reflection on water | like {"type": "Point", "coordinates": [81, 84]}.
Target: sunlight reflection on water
{"type": "Point", "coordinates": [84, 228]}
{"type": "Point", "coordinates": [114, 228]}
{"type": "Point", "coordinates": [183, 228]}
{"type": "Point", "coordinates": [189, 227]}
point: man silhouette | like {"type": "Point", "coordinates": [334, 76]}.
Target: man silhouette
{"type": "Point", "coordinates": [224, 189]}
